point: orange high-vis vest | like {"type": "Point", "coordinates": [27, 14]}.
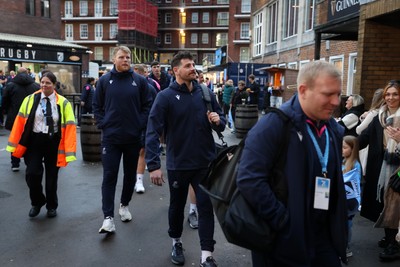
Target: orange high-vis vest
{"type": "Point", "coordinates": [67, 146]}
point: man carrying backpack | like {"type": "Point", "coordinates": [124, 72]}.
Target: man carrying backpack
{"type": "Point", "coordinates": [182, 114]}
{"type": "Point", "coordinates": [311, 227]}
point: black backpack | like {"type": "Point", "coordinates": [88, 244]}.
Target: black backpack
{"type": "Point", "coordinates": [239, 223]}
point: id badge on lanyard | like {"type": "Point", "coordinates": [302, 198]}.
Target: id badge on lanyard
{"type": "Point", "coordinates": [322, 184]}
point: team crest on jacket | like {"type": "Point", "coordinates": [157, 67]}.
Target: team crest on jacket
{"type": "Point", "coordinates": [178, 97]}
{"type": "Point", "coordinates": [134, 84]}
{"type": "Point", "coordinates": [111, 81]}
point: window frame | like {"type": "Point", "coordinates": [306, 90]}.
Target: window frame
{"type": "Point", "coordinates": [205, 15]}
{"type": "Point", "coordinates": [205, 38]}
{"type": "Point", "coordinates": [30, 7]}
{"type": "Point", "coordinates": [113, 28]}
{"type": "Point", "coordinates": [168, 38]}
{"type": "Point", "coordinates": [243, 33]}
{"type": "Point", "coordinates": [45, 11]}
{"type": "Point", "coordinates": [69, 32]}
{"type": "Point", "coordinates": [168, 18]}
{"type": "Point", "coordinates": [83, 31]}
{"type": "Point", "coordinates": [221, 21]}
{"type": "Point", "coordinates": [195, 15]}
{"type": "Point", "coordinates": [272, 11]}
{"type": "Point", "coordinates": [194, 38]}
{"type": "Point", "coordinates": [83, 9]}
{"type": "Point", "coordinates": [291, 18]}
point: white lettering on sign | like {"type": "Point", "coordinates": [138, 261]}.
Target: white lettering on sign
{"type": "Point", "coordinates": [17, 53]}
{"type": "Point", "coordinates": [342, 5]}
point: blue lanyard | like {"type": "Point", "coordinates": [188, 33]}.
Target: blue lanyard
{"type": "Point", "coordinates": [323, 159]}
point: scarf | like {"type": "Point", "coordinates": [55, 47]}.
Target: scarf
{"type": "Point", "coordinates": [389, 159]}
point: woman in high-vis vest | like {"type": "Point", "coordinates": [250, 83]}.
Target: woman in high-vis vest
{"type": "Point", "coordinates": [44, 132]}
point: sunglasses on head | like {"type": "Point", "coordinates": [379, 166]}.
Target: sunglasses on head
{"type": "Point", "coordinates": [392, 82]}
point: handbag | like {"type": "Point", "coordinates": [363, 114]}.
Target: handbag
{"type": "Point", "coordinates": [394, 181]}
{"type": "Point", "coordinates": [243, 227]}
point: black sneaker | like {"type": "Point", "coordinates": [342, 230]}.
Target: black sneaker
{"type": "Point", "coordinates": [392, 252]}
{"type": "Point", "coordinates": [177, 256]}
{"type": "Point", "coordinates": [15, 168]}
{"type": "Point", "coordinates": [210, 262]}
{"type": "Point", "coordinates": [383, 243]}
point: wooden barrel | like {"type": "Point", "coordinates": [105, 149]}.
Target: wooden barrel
{"type": "Point", "coordinates": [246, 117]}
{"type": "Point", "coordinates": [90, 139]}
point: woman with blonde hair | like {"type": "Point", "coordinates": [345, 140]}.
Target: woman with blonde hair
{"type": "Point", "coordinates": [383, 137]}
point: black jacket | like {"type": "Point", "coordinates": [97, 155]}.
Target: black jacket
{"type": "Point", "coordinates": [14, 93]}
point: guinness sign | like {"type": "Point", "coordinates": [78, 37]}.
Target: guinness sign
{"type": "Point", "coordinates": [341, 8]}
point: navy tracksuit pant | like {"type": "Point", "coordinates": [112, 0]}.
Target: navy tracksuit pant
{"type": "Point", "coordinates": [178, 186]}
{"type": "Point", "coordinates": [111, 159]}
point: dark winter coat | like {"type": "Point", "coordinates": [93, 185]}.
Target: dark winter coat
{"type": "Point", "coordinates": [372, 136]}
{"type": "Point", "coordinates": [87, 97]}
{"type": "Point", "coordinates": [182, 116]}
{"type": "Point", "coordinates": [297, 222]}
{"type": "Point", "coordinates": [121, 106]}
{"type": "Point", "coordinates": [14, 93]}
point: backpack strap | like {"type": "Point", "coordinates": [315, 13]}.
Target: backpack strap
{"type": "Point", "coordinates": [207, 100]}
{"type": "Point", "coordinates": [278, 183]}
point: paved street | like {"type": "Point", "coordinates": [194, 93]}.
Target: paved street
{"type": "Point", "coordinates": [72, 239]}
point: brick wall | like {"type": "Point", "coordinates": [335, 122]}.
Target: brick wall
{"type": "Point", "coordinates": [15, 21]}
{"type": "Point", "coordinates": [378, 49]}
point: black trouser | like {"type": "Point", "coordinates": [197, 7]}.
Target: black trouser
{"type": "Point", "coordinates": [178, 187]}
{"type": "Point", "coordinates": [323, 253]}
{"type": "Point", "coordinates": [111, 159]}
{"type": "Point", "coordinates": [42, 149]}
{"type": "Point", "coordinates": [15, 161]}
{"type": "Point", "coordinates": [390, 235]}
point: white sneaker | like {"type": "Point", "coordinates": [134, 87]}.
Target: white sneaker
{"type": "Point", "coordinates": [126, 216]}
{"type": "Point", "coordinates": [108, 226]}
{"type": "Point", "coordinates": [139, 188]}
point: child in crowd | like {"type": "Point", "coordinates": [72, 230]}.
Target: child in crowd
{"type": "Point", "coordinates": [352, 178]}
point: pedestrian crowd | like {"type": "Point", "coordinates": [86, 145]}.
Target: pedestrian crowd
{"type": "Point", "coordinates": [335, 168]}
